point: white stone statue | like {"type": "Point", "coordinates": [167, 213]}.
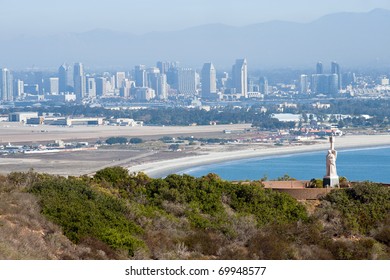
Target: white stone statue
{"type": "Point", "coordinates": [331, 163]}
{"type": "Point", "coordinates": [331, 178]}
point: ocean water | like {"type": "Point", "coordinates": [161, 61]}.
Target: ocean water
{"type": "Point", "coordinates": [368, 164]}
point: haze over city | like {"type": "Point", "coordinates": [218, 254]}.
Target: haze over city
{"type": "Point", "coordinates": [122, 33]}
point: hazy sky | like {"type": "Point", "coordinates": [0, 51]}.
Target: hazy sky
{"type": "Point", "coordinates": [42, 17]}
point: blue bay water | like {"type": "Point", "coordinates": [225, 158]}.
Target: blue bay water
{"type": "Point", "coordinates": [372, 164]}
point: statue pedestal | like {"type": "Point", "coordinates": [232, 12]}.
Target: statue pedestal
{"type": "Point", "coordinates": [331, 181]}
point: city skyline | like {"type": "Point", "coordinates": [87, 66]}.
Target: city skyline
{"type": "Point", "coordinates": [168, 81]}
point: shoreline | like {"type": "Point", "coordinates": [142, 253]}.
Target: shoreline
{"type": "Point", "coordinates": [160, 169]}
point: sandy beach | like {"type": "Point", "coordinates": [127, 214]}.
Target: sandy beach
{"type": "Point", "coordinates": [155, 161]}
{"type": "Point", "coordinates": [162, 168]}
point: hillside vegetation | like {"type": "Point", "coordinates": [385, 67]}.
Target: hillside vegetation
{"type": "Point", "coordinates": [116, 215]}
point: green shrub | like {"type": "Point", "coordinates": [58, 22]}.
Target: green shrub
{"type": "Point", "coordinates": [116, 140]}
{"type": "Point", "coordinates": [112, 174]}
{"type": "Point", "coordinates": [363, 206]}
{"type": "Point", "coordinates": [83, 212]}
{"type": "Point", "coordinates": [136, 141]}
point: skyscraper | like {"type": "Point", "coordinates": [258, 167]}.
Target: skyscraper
{"type": "Point", "coordinates": [91, 87]}
{"type": "Point", "coordinates": [65, 78]}
{"type": "Point", "coordinates": [161, 88]}
{"type": "Point", "coordinates": [52, 85]}
{"type": "Point", "coordinates": [186, 81]}
{"type": "Point", "coordinates": [158, 82]}
{"type": "Point", "coordinates": [79, 81]}
{"type": "Point", "coordinates": [164, 66]}
{"type": "Point", "coordinates": [6, 85]}
{"type": "Point", "coordinates": [209, 81]}
{"type": "Point", "coordinates": [334, 84]}
{"type": "Point", "coordinates": [319, 68]}
{"type": "Point", "coordinates": [335, 69]}
{"type": "Point", "coordinates": [18, 89]}
{"type": "Point", "coordinates": [119, 79]}
{"type": "Point", "coordinates": [140, 76]}
{"type": "Point", "coordinates": [101, 89]}
{"type": "Point", "coordinates": [304, 84]}
{"type": "Point", "coordinates": [324, 84]}
{"type": "Point", "coordinates": [263, 85]}
{"type": "Point", "coordinates": [240, 77]}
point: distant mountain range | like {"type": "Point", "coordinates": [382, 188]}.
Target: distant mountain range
{"type": "Point", "coordinates": [352, 39]}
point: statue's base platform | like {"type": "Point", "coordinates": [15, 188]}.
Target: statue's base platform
{"type": "Point", "coordinates": [331, 181]}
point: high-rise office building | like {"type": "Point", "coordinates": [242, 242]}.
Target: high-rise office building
{"type": "Point", "coordinates": [304, 84]}
{"type": "Point", "coordinates": [209, 81]}
{"type": "Point", "coordinates": [263, 85]}
{"type": "Point", "coordinates": [91, 87]}
{"type": "Point", "coordinates": [319, 68]}
{"type": "Point", "coordinates": [348, 79]}
{"type": "Point", "coordinates": [18, 89]}
{"type": "Point", "coordinates": [6, 85]}
{"type": "Point", "coordinates": [65, 78]}
{"type": "Point", "coordinates": [334, 84]}
{"type": "Point", "coordinates": [186, 81]}
{"type": "Point", "coordinates": [120, 77]}
{"type": "Point", "coordinates": [51, 85]}
{"type": "Point", "coordinates": [151, 73]}
{"type": "Point", "coordinates": [101, 86]}
{"type": "Point", "coordinates": [158, 82]}
{"type": "Point", "coordinates": [163, 66]}
{"type": "Point", "coordinates": [324, 84]}
{"type": "Point", "coordinates": [125, 89]}
{"type": "Point", "coordinates": [161, 87]}
{"type": "Point", "coordinates": [140, 76]}
{"type": "Point", "coordinates": [38, 80]}
{"type": "Point", "coordinates": [240, 77]}
{"type": "Point", "coordinates": [79, 81]}
{"type": "Point", "coordinates": [335, 69]}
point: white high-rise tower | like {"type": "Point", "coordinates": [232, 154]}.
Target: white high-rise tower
{"type": "Point", "coordinates": [240, 77]}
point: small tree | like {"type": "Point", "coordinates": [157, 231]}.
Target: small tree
{"type": "Point", "coordinates": [136, 141]}
{"type": "Point", "coordinates": [116, 140]}
{"type": "Point", "coordinates": [174, 147]}
{"type": "Point", "coordinates": [316, 183]}
{"type": "Point", "coordinates": [286, 177]}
